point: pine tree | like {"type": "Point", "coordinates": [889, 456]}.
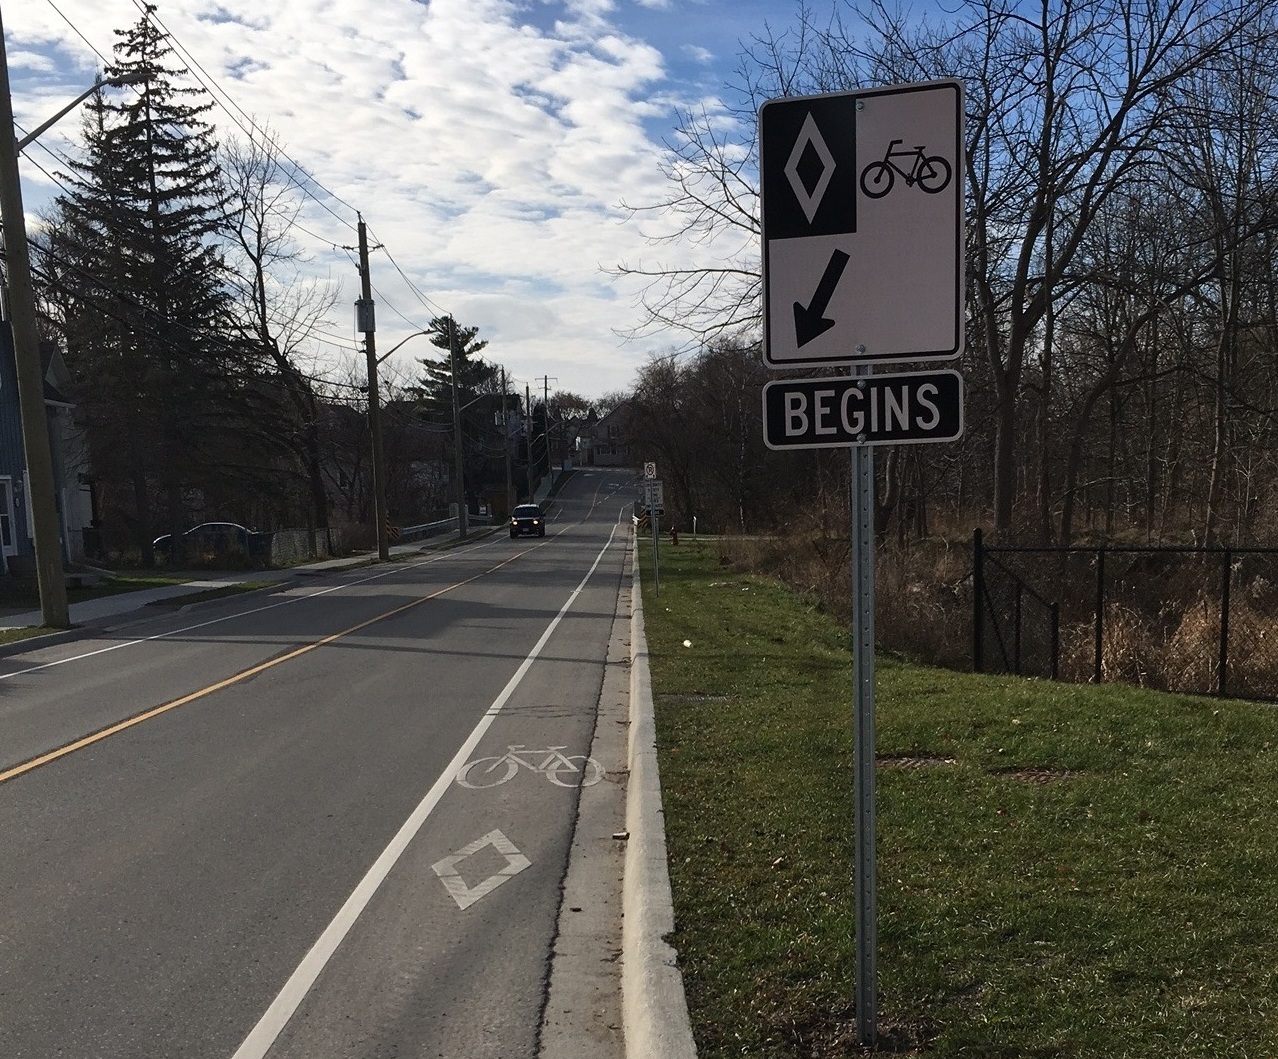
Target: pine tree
{"type": "Point", "coordinates": [474, 376]}
{"type": "Point", "coordinates": [482, 444]}
{"type": "Point", "coordinates": [164, 392]}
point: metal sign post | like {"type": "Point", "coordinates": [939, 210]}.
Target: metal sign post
{"type": "Point", "coordinates": [656, 558]}
{"type": "Point", "coordinates": [863, 740]}
{"type": "Point", "coordinates": [654, 503]}
{"type": "Point", "coordinates": [862, 232]}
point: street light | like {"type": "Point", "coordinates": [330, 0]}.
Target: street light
{"type": "Point", "coordinates": [374, 421]}
{"type": "Point", "coordinates": [50, 576]}
{"type": "Point", "coordinates": [463, 515]}
{"type": "Point", "coordinates": [134, 78]}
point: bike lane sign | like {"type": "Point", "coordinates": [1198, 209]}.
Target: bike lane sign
{"type": "Point", "coordinates": [862, 225]}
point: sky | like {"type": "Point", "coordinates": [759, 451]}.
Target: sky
{"type": "Point", "coordinates": [488, 144]}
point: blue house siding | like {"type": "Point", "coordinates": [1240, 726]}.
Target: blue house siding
{"type": "Point", "coordinates": [13, 464]}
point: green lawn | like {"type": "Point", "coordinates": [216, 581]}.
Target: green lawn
{"type": "Point", "coordinates": [1062, 870]}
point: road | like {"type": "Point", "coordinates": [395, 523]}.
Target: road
{"type": "Point", "coordinates": [238, 830]}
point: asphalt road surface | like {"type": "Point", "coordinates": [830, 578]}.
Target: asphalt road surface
{"type": "Point", "coordinates": [329, 821]}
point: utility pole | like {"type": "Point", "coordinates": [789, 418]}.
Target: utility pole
{"type": "Point", "coordinates": [367, 324]}
{"type": "Point", "coordinates": [528, 439]}
{"type": "Point", "coordinates": [463, 516]}
{"type": "Point", "coordinates": [545, 406]}
{"type": "Point", "coordinates": [505, 436]}
{"type": "Point", "coordinates": [26, 353]}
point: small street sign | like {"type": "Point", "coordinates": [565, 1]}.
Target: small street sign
{"type": "Point", "coordinates": [910, 408]}
{"type": "Point", "coordinates": [654, 496]}
{"type": "Point", "coordinates": [650, 470]}
{"type": "Point", "coordinates": [862, 218]}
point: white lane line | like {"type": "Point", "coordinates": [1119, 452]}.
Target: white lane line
{"type": "Point", "coordinates": [229, 617]}
{"type": "Point", "coordinates": [290, 998]}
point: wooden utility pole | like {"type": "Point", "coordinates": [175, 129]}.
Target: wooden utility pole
{"type": "Point", "coordinates": [545, 434]}
{"type": "Point", "coordinates": [367, 324]}
{"type": "Point", "coordinates": [505, 438]}
{"type": "Point", "coordinates": [528, 440]}
{"type": "Point", "coordinates": [459, 465]}
{"type": "Point", "coordinates": [41, 487]}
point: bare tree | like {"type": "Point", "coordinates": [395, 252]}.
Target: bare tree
{"type": "Point", "coordinates": [279, 309]}
{"type": "Point", "coordinates": [1068, 102]}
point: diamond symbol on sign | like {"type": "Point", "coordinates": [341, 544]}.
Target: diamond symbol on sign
{"type": "Point", "coordinates": [465, 895]}
{"type": "Point", "coordinates": [810, 137]}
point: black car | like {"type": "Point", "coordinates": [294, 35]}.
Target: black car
{"type": "Point", "coordinates": [527, 518]}
{"type": "Point", "coordinates": [210, 541]}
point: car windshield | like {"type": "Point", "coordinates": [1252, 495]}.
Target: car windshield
{"type": "Point", "coordinates": [527, 511]}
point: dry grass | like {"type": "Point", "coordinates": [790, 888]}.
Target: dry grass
{"type": "Point", "coordinates": [1161, 627]}
{"type": "Point", "coordinates": [923, 600]}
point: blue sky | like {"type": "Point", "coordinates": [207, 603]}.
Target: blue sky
{"type": "Point", "coordinates": [488, 144]}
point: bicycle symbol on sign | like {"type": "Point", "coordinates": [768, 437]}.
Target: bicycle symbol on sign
{"type": "Point", "coordinates": [572, 770]}
{"type": "Point", "coordinates": [930, 172]}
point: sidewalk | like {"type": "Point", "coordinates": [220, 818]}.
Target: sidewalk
{"type": "Point", "coordinates": [92, 610]}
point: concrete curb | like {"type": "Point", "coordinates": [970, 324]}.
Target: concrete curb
{"type": "Point", "coordinates": [654, 1008]}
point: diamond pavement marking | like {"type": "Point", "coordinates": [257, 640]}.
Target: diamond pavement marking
{"type": "Point", "coordinates": [464, 895]}
{"type": "Point", "coordinates": [810, 135]}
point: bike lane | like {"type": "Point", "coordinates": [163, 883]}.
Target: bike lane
{"type": "Point", "coordinates": [450, 955]}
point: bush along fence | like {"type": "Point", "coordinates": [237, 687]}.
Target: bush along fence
{"type": "Point", "coordinates": [1193, 620]}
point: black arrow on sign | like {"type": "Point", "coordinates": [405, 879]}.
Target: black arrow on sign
{"type": "Point", "coordinates": [809, 320]}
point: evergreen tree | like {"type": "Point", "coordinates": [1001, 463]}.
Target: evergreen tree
{"type": "Point", "coordinates": [165, 394]}
{"type": "Point", "coordinates": [482, 442]}
{"type": "Point", "coordinates": [474, 376]}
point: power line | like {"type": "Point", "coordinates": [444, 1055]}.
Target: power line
{"type": "Point", "coordinates": [76, 30]}
{"type": "Point", "coordinates": [209, 86]}
{"type": "Point", "coordinates": [224, 100]}
{"type": "Point", "coordinates": [248, 125]}
{"type": "Point", "coordinates": [149, 330]}
{"type": "Point", "coordinates": [426, 302]}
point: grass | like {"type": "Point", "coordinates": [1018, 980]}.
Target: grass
{"type": "Point", "coordinates": [1063, 871]}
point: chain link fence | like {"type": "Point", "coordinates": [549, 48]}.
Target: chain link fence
{"type": "Point", "coordinates": [1193, 620]}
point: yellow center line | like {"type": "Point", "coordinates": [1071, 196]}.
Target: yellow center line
{"type": "Point", "coordinates": [237, 678]}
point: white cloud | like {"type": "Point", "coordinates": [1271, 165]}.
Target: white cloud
{"type": "Point", "coordinates": [488, 143]}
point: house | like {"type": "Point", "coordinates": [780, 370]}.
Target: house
{"type": "Point", "coordinates": [607, 442]}
{"type": "Point", "coordinates": [72, 493]}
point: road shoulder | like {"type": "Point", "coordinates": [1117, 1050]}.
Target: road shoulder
{"type": "Point", "coordinates": [583, 1015]}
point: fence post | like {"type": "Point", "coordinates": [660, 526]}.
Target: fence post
{"type": "Point", "coordinates": [1016, 636]}
{"type": "Point", "coordinates": [1099, 674]}
{"type": "Point", "coordinates": [1223, 664]}
{"type": "Point", "coordinates": [978, 602]}
{"type": "Point", "coordinates": [1056, 640]}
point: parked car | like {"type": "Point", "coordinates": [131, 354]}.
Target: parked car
{"type": "Point", "coordinates": [527, 518]}
{"type": "Point", "coordinates": [215, 540]}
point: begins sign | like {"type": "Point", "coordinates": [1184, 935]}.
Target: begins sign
{"type": "Point", "coordinates": [906, 409]}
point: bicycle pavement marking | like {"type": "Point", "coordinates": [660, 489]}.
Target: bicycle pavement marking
{"type": "Point", "coordinates": [284, 1006]}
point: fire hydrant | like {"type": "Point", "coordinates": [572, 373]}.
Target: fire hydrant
{"type": "Point", "coordinates": [674, 535]}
